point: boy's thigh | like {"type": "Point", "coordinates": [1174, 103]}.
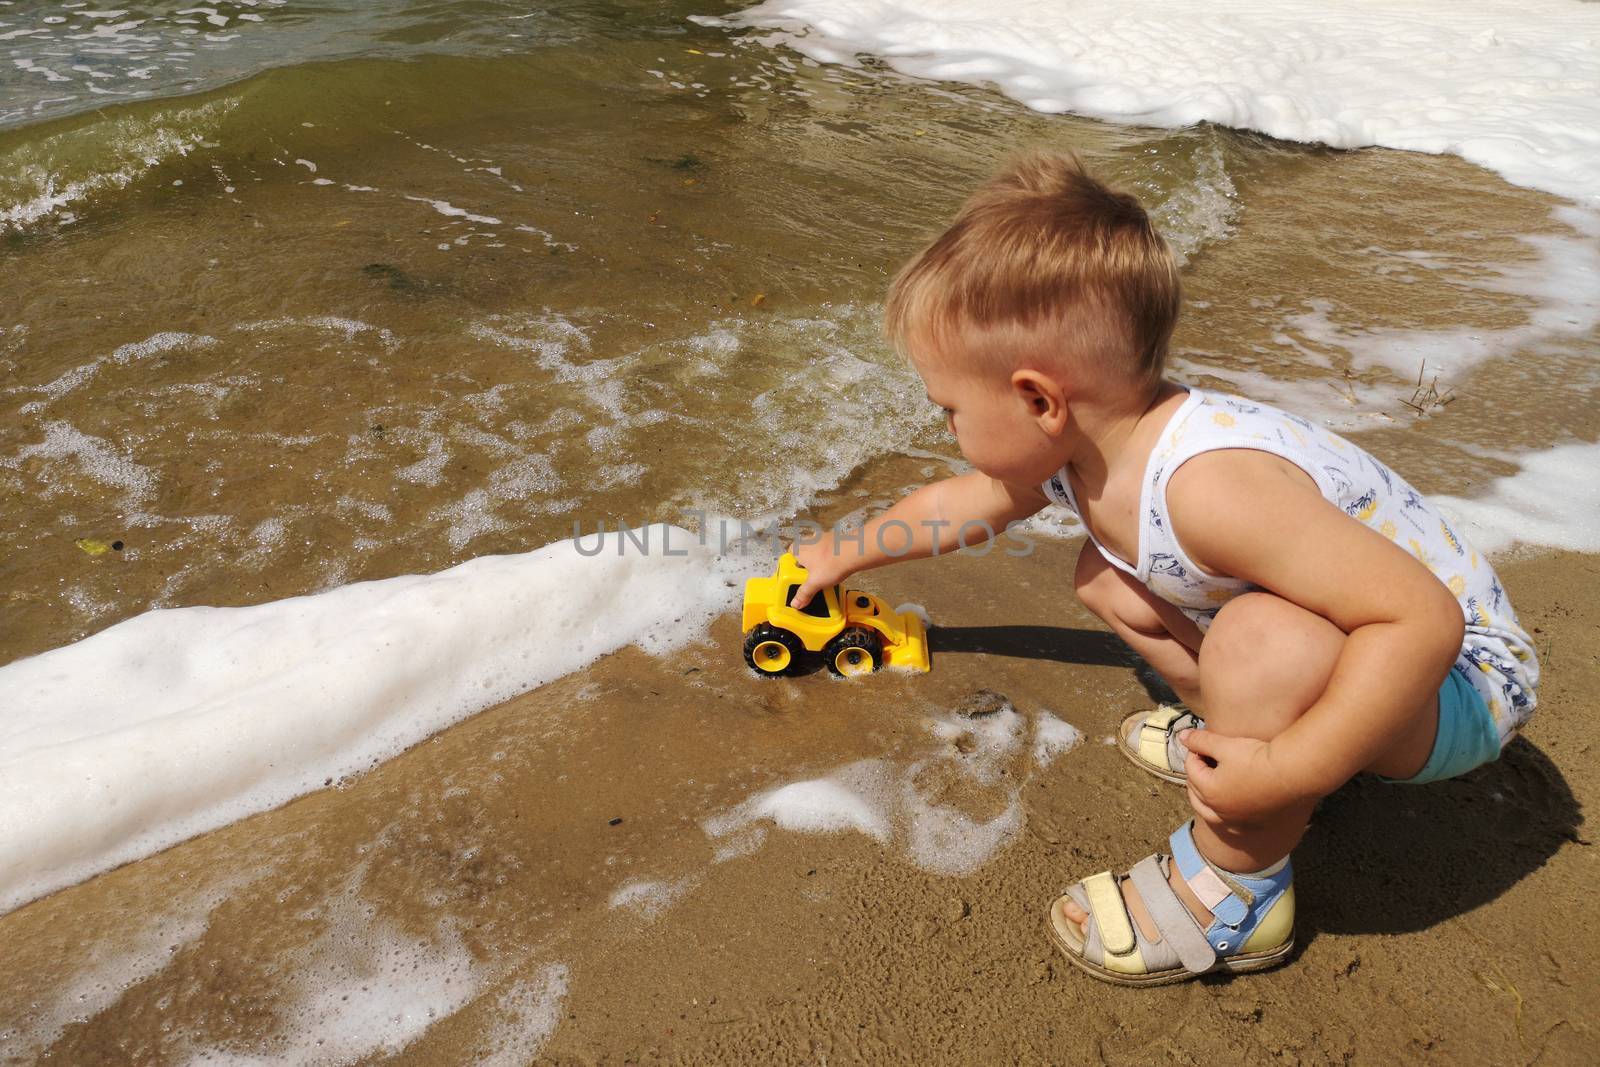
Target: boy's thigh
{"type": "Point", "coordinates": [1265, 650]}
{"type": "Point", "coordinates": [1111, 593]}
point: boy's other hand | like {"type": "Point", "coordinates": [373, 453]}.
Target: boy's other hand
{"type": "Point", "coordinates": [1233, 780]}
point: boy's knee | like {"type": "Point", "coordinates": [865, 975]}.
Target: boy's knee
{"type": "Point", "coordinates": [1259, 627]}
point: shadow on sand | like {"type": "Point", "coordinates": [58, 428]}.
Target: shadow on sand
{"type": "Point", "coordinates": [1380, 858]}
{"type": "Point", "coordinates": [1387, 859]}
{"type": "Point", "coordinates": [1060, 644]}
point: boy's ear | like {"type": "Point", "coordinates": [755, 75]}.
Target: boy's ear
{"type": "Point", "coordinates": [1044, 398]}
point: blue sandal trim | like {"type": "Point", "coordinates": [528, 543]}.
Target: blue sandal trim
{"type": "Point", "coordinates": [1236, 919]}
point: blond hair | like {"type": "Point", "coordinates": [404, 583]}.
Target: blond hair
{"type": "Point", "coordinates": [1043, 262]}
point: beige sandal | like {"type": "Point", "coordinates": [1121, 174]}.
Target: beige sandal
{"type": "Point", "coordinates": [1252, 928]}
{"type": "Point", "coordinates": [1150, 740]}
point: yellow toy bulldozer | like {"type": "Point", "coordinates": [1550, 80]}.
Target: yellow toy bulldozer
{"type": "Point", "coordinates": [855, 632]}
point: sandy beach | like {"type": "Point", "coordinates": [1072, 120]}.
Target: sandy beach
{"type": "Point", "coordinates": [1447, 922]}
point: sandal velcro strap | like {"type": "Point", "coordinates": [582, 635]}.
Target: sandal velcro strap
{"type": "Point", "coordinates": [1178, 928]}
{"type": "Point", "coordinates": [1110, 914]}
{"type": "Point", "coordinates": [1207, 882]}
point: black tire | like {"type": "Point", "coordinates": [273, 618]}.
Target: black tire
{"type": "Point", "coordinates": [762, 636]}
{"type": "Point", "coordinates": [857, 650]}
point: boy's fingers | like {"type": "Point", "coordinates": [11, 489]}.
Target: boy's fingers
{"type": "Point", "coordinates": [1206, 743]}
{"type": "Point", "coordinates": [802, 597]}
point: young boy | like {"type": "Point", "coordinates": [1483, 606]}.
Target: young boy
{"type": "Point", "coordinates": [1316, 615]}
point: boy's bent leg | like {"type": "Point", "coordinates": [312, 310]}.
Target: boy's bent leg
{"type": "Point", "coordinates": [1263, 663]}
{"type": "Point", "coordinates": [1147, 624]}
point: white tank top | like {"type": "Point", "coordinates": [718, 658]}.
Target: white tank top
{"type": "Point", "coordinates": [1497, 657]}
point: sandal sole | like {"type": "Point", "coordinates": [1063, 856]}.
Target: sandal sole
{"type": "Point", "coordinates": [1241, 964]}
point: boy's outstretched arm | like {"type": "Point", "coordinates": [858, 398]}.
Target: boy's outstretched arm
{"type": "Point", "coordinates": [941, 517]}
{"type": "Point", "coordinates": [1255, 516]}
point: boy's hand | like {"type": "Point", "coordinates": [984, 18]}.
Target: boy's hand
{"type": "Point", "coordinates": [1233, 780]}
{"type": "Point", "coordinates": [824, 567]}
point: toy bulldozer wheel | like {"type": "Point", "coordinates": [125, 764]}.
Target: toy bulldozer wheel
{"type": "Point", "coordinates": [855, 651]}
{"type": "Point", "coordinates": [770, 650]}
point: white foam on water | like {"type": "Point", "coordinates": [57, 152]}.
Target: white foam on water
{"type": "Point", "coordinates": [349, 329]}
{"type": "Point", "coordinates": [1506, 84]}
{"type": "Point", "coordinates": [820, 806]}
{"type": "Point", "coordinates": [948, 841]}
{"type": "Point", "coordinates": [104, 968]}
{"type": "Point", "coordinates": [446, 208]}
{"type": "Point", "coordinates": [178, 721]}
{"type": "Point", "coordinates": [166, 341]}
{"type": "Point", "coordinates": [92, 456]}
{"type": "Point", "coordinates": [1561, 283]}
{"type": "Point", "coordinates": [912, 608]}
{"type": "Point", "coordinates": [361, 987]}
{"type": "Point", "coordinates": [1557, 287]}
{"type": "Point", "coordinates": [1553, 501]}
{"type": "Point", "coordinates": [529, 1012]}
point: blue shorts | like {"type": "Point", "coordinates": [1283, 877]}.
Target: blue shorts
{"type": "Point", "coordinates": [1467, 735]}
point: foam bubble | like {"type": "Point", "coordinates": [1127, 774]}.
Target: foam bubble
{"type": "Point", "coordinates": [529, 1011]}
{"type": "Point", "coordinates": [361, 987]}
{"type": "Point", "coordinates": [650, 898]}
{"type": "Point", "coordinates": [446, 208]}
{"type": "Point", "coordinates": [107, 969]}
{"type": "Point", "coordinates": [908, 804]}
{"type": "Point", "coordinates": [166, 341]}
{"type": "Point", "coordinates": [822, 805]}
{"type": "Point", "coordinates": [1052, 737]}
{"type": "Point", "coordinates": [93, 456]}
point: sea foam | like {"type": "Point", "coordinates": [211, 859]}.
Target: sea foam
{"type": "Point", "coordinates": [175, 722]}
{"type": "Point", "coordinates": [1552, 501]}
{"type": "Point", "coordinates": [1511, 86]}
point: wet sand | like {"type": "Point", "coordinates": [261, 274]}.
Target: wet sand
{"type": "Point", "coordinates": [1452, 921]}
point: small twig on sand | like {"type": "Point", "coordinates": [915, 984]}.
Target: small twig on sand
{"type": "Point", "coordinates": [1428, 398]}
{"type": "Point", "coordinates": [1346, 389]}
{"type": "Point", "coordinates": [1499, 983]}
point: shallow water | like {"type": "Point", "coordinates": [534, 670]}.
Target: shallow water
{"type": "Point", "coordinates": [460, 291]}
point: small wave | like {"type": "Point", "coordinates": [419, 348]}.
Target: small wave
{"type": "Point", "coordinates": [53, 177]}
{"type": "Point", "coordinates": [1202, 209]}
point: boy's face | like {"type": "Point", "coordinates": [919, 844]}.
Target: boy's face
{"type": "Point", "coordinates": [994, 420]}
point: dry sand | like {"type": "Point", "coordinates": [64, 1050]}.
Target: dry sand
{"type": "Point", "coordinates": [1452, 923]}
